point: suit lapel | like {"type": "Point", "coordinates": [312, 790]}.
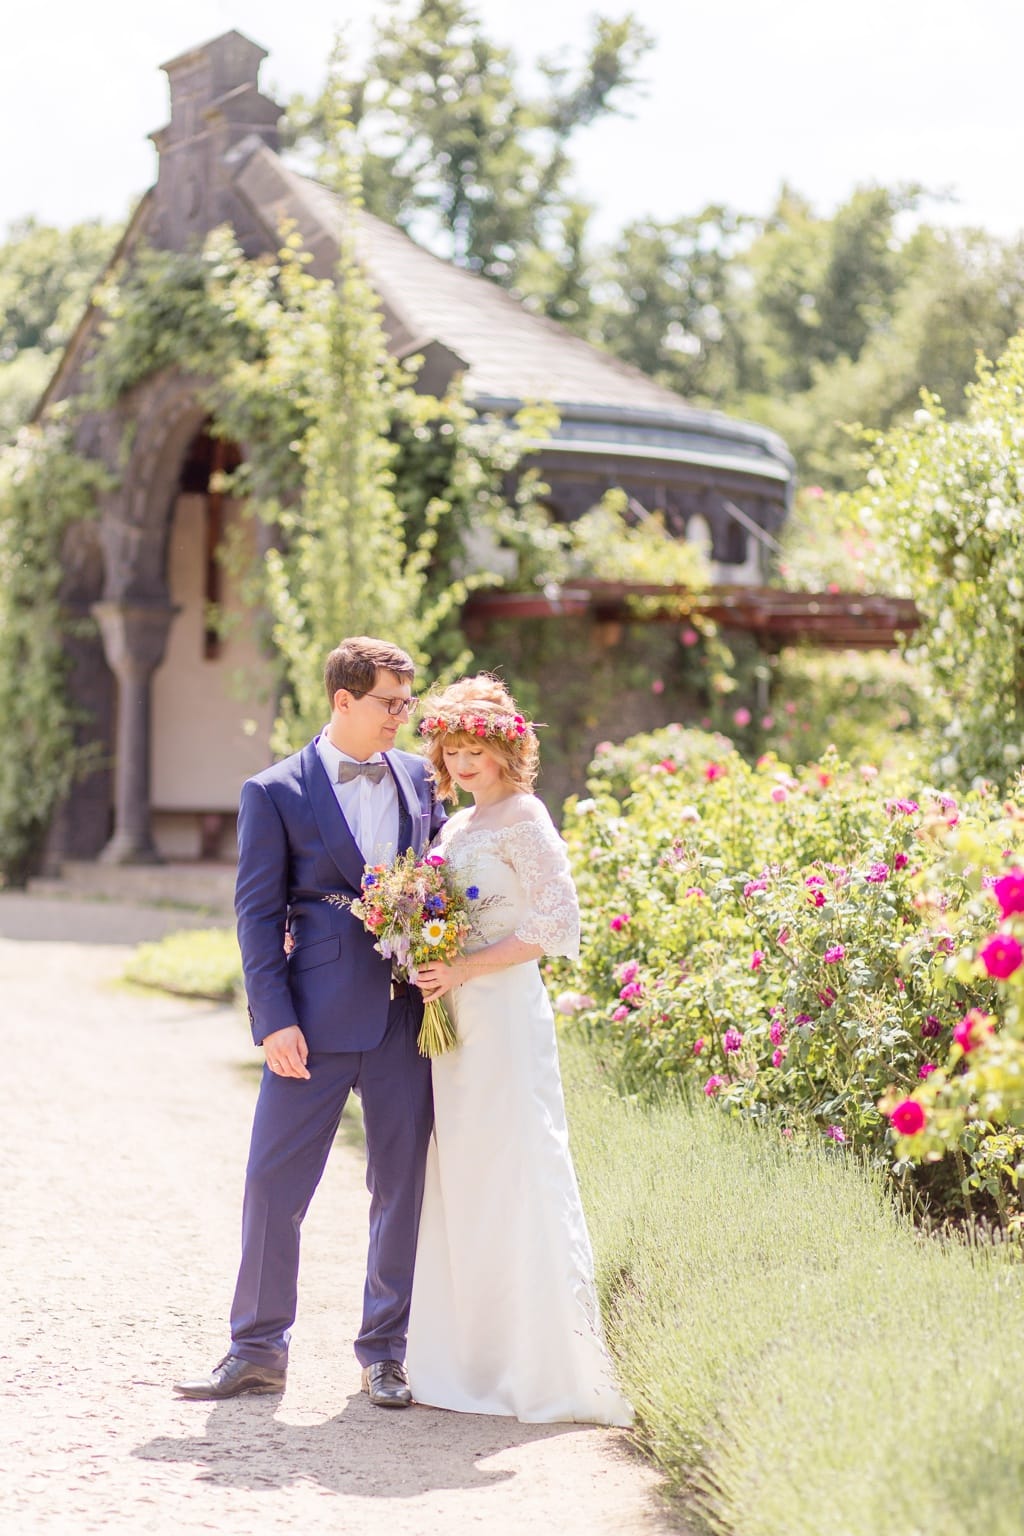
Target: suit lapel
{"type": "Point", "coordinates": [410, 800]}
{"type": "Point", "coordinates": [330, 821]}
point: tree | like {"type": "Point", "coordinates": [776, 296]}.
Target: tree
{"type": "Point", "coordinates": [45, 278]}
{"type": "Point", "coordinates": [945, 501]}
{"type": "Point", "coordinates": [451, 148]}
{"type": "Point", "coordinates": [666, 301]}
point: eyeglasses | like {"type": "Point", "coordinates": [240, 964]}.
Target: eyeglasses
{"type": "Point", "coordinates": [395, 706]}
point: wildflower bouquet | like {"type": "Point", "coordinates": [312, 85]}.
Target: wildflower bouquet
{"type": "Point", "coordinates": [416, 913]}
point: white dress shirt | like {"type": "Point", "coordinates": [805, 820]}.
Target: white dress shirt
{"type": "Point", "coordinates": [370, 809]}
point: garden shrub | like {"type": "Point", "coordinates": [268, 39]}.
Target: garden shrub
{"type": "Point", "coordinates": [786, 942]}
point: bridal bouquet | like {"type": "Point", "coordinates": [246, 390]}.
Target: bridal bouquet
{"type": "Point", "coordinates": [416, 913]}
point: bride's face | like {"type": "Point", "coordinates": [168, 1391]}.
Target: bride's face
{"type": "Point", "coordinates": [472, 767]}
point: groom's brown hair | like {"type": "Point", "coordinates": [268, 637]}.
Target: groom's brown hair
{"type": "Point", "coordinates": [354, 665]}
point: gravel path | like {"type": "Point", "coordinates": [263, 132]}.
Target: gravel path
{"type": "Point", "coordinates": [125, 1125]}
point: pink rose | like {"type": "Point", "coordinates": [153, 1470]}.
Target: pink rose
{"type": "Point", "coordinates": [713, 771]}
{"type": "Point", "coordinates": [757, 960]}
{"type": "Point", "coordinates": [972, 1029]}
{"type": "Point", "coordinates": [907, 1118]}
{"type": "Point", "coordinates": [713, 1084]}
{"type": "Point", "coordinates": [657, 686]}
{"type": "Point", "coordinates": [778, 1057]}
{"type": "Point", "coordinates": [1001, 955]}
{"type": "Point", "coordinates": [741, 716]}
{"type": "Point", "coordinates": [620, 1014]}
{"type": "Point", "coordinates": [834, 954]}
{"type": "Point", "coordinates": [1008, 890]}
{"type": "Point", "coordinates": [732, 1040]}
{"type": "Point", "coordinates": [780, 795]}
{"type": "Point", "coordinates": [689, 636]}
{"type": "Point", "coordinates": [619, 922]}
{"type": "Point", "coordinates": [698, 1045]}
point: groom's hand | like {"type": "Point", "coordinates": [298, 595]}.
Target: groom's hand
{"type": "Point", "coordinates": [286, 1052]}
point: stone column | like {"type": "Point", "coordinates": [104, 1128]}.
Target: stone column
{"type": "Point", "coordinates": [134, 638]}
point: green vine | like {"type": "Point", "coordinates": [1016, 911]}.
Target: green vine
{"type": "Point", "coordinates": [45, 487]}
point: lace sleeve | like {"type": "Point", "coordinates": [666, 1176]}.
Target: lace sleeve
{"type": "Point", "coordinates": [539, 858]}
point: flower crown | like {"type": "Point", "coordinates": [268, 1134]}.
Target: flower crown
{"type": "Point", "coordinates": [507, 727]}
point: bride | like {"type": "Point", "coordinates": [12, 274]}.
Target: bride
{"type": "Point", "coordinates": [504, 1313]}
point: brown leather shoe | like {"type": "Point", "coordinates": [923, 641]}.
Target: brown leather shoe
{"type": "Point", "coordinates": [387, 1384]}
{"type": "Point", "coordinates": [232, 1376]}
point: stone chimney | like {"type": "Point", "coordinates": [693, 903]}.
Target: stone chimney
{"type": "Point", "coordinates": [215, 102]}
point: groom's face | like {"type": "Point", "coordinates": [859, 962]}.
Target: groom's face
{"type": "Point", "coordinates": [363, 725]}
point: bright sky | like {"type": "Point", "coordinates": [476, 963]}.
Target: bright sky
{"type": "Point", "coordinates": [742, 95]}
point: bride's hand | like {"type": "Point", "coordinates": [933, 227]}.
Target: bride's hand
{"type": "Point", "coordinates": [437, 978]}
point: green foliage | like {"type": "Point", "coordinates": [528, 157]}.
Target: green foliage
{"type": "Point", "coordinates": [798, 1357]}
{"type": "Point", "coordinates": [450, 145]}
{"type": "Point", "coordinates": [45, 278]}
{"type": "Point", "coordinates": [764, 934]}
{"type": "Point", "coordinates": [945, 505]}
{"type": "Point", "coordinates": [44, 488]}
{"type": "Point", "coordinates": [193, 963]}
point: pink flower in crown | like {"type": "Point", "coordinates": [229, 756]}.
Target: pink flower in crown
{"type": "Point", "coordinates": [1008, 890]}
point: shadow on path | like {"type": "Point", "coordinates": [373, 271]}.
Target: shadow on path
{"type": "Point", "coordinates": [362, 1451]}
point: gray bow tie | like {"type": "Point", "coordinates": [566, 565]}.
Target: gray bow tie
{"type": "Point", "coordinates": [349, 771]}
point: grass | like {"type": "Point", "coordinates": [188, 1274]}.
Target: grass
{"type": "Point", "coordinates": [199, 962]}
{"type": "Point", "coordinates": [800, 1358]}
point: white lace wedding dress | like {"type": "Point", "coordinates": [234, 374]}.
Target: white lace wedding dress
{"type": "Point", "coordinates": [504, 1314]}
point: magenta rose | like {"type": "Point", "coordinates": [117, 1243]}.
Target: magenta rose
{"type": "Point", "coordinates": [1001, 955]}
{"type": "Point", "coordinates": [908, 1117]}
{"type": "Point", "coordinates": [1008, 890]}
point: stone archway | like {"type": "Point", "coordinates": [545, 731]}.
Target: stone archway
{"type": "Point", "coordinates": [137, 608]}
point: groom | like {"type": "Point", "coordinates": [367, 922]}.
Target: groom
{"type": "Point", "coordinates": [330, 1019]}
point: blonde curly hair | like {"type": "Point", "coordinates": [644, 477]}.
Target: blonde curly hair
{"type": "Point", "coordinates": [480, 712]}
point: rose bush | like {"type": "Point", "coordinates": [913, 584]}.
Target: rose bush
{"type": "Point", "coordinates": [793, 942]}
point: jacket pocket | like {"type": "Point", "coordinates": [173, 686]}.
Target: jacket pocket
{"type": "Point", "coordinates": [308, 955]}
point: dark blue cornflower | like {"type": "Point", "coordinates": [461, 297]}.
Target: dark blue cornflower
{"type": "Point", "coordinates": [472, 891]}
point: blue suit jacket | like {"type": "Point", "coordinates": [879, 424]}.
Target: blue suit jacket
{"type": "Point", "coordinates": [294, 848]}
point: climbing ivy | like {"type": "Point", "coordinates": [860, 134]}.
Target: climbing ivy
{"type": "Point", "coordinates": [45, 487]}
